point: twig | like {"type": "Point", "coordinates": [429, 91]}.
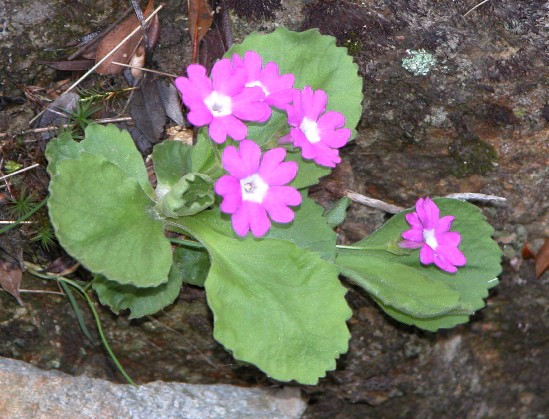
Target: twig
{"type": "Point", "coordinates": [476, 7]}
{"type": "Point", "coordinates": [15, 221]}
{"type": "Point", "coordinates": [146, 69]}
{"type": "Point", "coordinates": [373, 203]}
{"type": "Point", "coordinates": [393, 209]}
{"type": "Point", "coordinates": [471, 196]}
{"type": "Point", "coordinates": [54, 127]}
{"type": "Point", "coordinates": [20, 171]}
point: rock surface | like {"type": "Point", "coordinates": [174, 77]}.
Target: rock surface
{"type": "Point", "coordinates": [28, 392]}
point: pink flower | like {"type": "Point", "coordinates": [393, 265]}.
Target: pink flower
{"type": "Point", "coordinates": [432, 234]}
{"type": "Point", "coordinates": [278, 89]}
{"type": "Point", "coordinates": [222, 101]}
{"type": "Point", "coordinates": [318, 133]}
{"type": "Point", "coordinates": [253, 190]}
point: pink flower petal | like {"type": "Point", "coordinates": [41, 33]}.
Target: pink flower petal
{"type": "Point", "coordinates": [248, 105]}
{"type": "Point", "coordinates": [259, 222]}
{"type": "Point", "coordinates": [331, 120]}
{"type": "Point", "coordinates": [280, 99]}
{"type": "Point", "coordinates": [313, 102]}
{"type": "Point", "coordinates": [444, 224]}
{"type": "Point", "coordinates": [244, 162]}
{"type": "Point", "coordinates": [252, 62]}
{"type": "Point", "coordinates": [229, 188]}
{"type": "Point", "coordinates": [240, 220]}
{"type": "Point", "coordinates": [426, 255]}
{"type": "Point", "coordinates": [443, 264]}
{"type": "Point", "coordinates": [429, 214]}
{"type": "Point", "coordinates": [200, 117]}
{"type": "Point", "coordinates": [413, 220]}
{"type": "Point", "coordinates": [227, 125]}
{"type": "Point", "coordinates": [414, 234]}
{"type": "Point", "coordinates": [274, 171]}
{"type": "Point", "coordinates": [450, 238]}
{"type": "Point", "coordinates": [295, 114]}
{"type": "Point", "coordinates": [410, 244]}
{"type": "Point", "coordinates": [226, 79]}
{"type": "Point", "coordinates": [277, 200]}
{"type": "Point", "coordinates": [452, 254]}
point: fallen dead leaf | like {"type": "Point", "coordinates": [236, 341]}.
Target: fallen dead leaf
{"type": "Point", "coordinates": [114, 37]}
{"type": "Point", "coordinates": [10, 279]}
{"type": "Point", "coordinates": [542, 259]}
{"type": "Point", "coordinates": [200, 20]}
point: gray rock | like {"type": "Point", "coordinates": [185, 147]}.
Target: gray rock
{"type": "Point", "coordinates": [29, 392]}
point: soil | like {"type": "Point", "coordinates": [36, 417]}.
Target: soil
{"type": "Point", "coordinates": [476, 121]}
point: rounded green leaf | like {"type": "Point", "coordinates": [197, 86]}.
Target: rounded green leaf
{"type": "Point", "coordinates": [471, 282]}
{"type": "Point", "coordinates": [309, 230]}
{"type": "Point", "coordinates": [275, 305]}
{"type": "Point", "coordinates": [192, 265]}
{"type": "Point", "coordinates": [172, 161]}
{"type": "Point", "coordinates": [316, 61]}
{"type": "Point", "coordinates": [104, 219]}
{"type": "Point", "coordinates": [140, 301]}
{"type": "Point", "coordinates": [117, 146]}
{"type": "Point", "coordinates": [61, 148]}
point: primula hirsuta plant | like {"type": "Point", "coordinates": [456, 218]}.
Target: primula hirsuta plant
{"type": "Point", "coordinates": [273, 116]}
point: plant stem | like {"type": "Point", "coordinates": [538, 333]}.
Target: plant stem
{"type": "Point", "coordinates": [35, 270]}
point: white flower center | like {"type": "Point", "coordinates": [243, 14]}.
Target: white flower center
{"type": "Point", "coordinates": [310, 129]}
{"type": "Point", "coordinates": [430, 239]}
{"type": "Point", "coordinates": [258, 84]}
{"type": "Point", "coordinates": [253, 188]}
{"type": "Point", "coordinates": [218, 104]}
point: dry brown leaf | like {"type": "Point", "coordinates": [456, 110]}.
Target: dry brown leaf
{"type": "Point", "coordinates": [10, 279]}
{"type": "Point", "coordinates": [114, 37]}
{"type": "Point", "coordinates": [542, 259]}
{"type": "Point", "coordinates": [527, 252]}
{"type": "Point", "coordinates": [200, 20]}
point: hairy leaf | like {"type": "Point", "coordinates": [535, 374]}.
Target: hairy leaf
{"type": "Point", "coordinates": [103, 218]}
{"type": "Point", "coordinates": [191, 264]}
{"type": "Point", "coordinates": [117, 147]}
{"type": "Point", "coordinates": [424, 295]}
{"type": "Point", "coordinates": [140, 301]}
{"type": "Point", "coordinates": [172, 161]}
{"type": "Point", "coordinates": [288, 320]}
{"type": "Point", "coordinates": [309, 230]}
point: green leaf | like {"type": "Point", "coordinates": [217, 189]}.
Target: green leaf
{"type": "Point", "coordinates": [103, 218]}
{"type": "Point", "coordinates": [61, 148]}
{"type": "Point", "coordinates": [203, 158]}
{"type": "Point", "coordinates": [117, 147]}
{"type": "Point", "coordinates": [316, 61]}
{"type": "Point", "coordinates": [275, 305]}
{"type": "Point", "coordinates": [172, 161]}
{"type": "Point", "coordinates": [309, 230]}
{"type": "Point", "coordinates": [140, 301]}
{"type": "Point", "coordinates": [191, 264]}
{"type": "Point", "coordinates": [395, 283]}
{"type": "Point", "coordinates": [308, 172]}
{"type": "Point", "coordinates": [377, 267]}
{"type": "Point", "coordinates": [337, 214]}
{"type": "Point", "coordinates": [191, 194]}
